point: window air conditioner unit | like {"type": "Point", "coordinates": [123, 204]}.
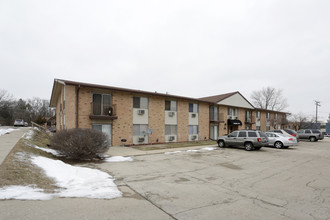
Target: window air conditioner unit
{"type": "Point", "coordinates": [140, 112]}
{"type": "Point", "coordinates": [171, 138]}
{"type": "Point", "coordinates": [171, 114]}
{"type": "Point", "coordinates": [141, 139]}
{"type": "Point", "coordinates": [230, 117]}
{"type": "Point", "coordinates": [193, 115]}
{"type": "Point", "coordinates": [193, 137]}
{"type": "Point", "coordinates": [235, 117]}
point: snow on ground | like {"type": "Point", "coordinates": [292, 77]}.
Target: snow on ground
{"type": "Point", "coordinates": [6, 130]}
{"type": "Point", "coordinates": [200, 150]}
{"type": "Point", "coordinates": [28, 135]}
{"type": "Point", "coordinates": [51, 151]}
{"type": "Point", "coordinates": [73, 181]}
{"type": "Point", "coordinates": [118, 159]}
{"type": "Point", "coordinates": [78, 181]}
{"type": "Point", "coordinates": [23, 192]}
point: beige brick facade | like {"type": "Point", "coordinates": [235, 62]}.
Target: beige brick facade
{"type": "Point", "coordinates": [64, 98]}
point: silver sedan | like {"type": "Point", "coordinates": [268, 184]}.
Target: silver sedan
{"type": "Point", "coordinates": [281, 140]}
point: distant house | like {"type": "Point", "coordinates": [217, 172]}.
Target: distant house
{"type": "Point", "coordinates": [139, 116]}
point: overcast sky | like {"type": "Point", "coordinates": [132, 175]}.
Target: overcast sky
{"type": "Point", "coordinates": [189, 48]}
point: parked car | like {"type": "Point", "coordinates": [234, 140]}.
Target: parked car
{"type": "Point", "coordinates": [287, 132]}
{"type": "Point", "coordinates": [279, 140]}
{"type": "Point", "coordinates": [326, 135]}
{"type": "Point", "coordinates": [19, 122]}
{"type": "Point", "coordinates": [249, 139]}
{"type": "Point", "coordinates": [26, 124]}
{"type": "Point", "coordinates": [311, 134]}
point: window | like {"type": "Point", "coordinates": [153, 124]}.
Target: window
{"type": "Point", "coordinates": [213, 113]}
{"type": "Point", "coordinates": [258, 114]}
{"type": "Point", "coordinates": [233, 134]}
{"type": "Point", "coordinates": [170, 105]}
{"type": "Point", "coordinates": [101, 104]}
{"type": "Point", "coordinates": [257, 127]}
{"type": "Point", "coordinates": [193, 129]}
{"type": "Point", "coordinates": [235, 112]}
{"type": "Point", "coordinates": [105, 128]}
{"type": "Point", "coordinates": [242, 134]}
{"type": "Point", "coordinates": [229, 111]}
{"type": "Point", "coordinates": [308, 132]}
{"type": "Point", "coordinates": [193, 107]}
{"type": "Point", "coordinates": [140, 130]}
{"type": "Point", "coordinates": [267, 115]}
{"type": "Point", "coordinates": [252, 134]}
{"type": "Point", "coordinates": [140, 102]}
{"type": "Point", "coordinates": [267, 128]}
{"type": "Point", "coordinates": [248, 116]}
{"type": "Point", "coordinates": [170, 130]}
{"type": "Point", "coordinates": [276, 116]}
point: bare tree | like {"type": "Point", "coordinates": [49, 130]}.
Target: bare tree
{"type": "Point", "coordinates": [300, 120]}
{"type": "Point", "coordinates": [269, 98]}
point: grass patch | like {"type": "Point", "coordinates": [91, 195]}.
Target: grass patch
{"type": "Point", "coordinates": [173, 145]}
{"type": "Point", "coordinates": [17, 168]}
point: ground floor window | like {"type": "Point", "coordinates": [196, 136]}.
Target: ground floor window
{"type": "Point", "coordinates": [171, 129]}
{"type": "Point", "coordinates": [140, 130]}
{"type": "Point", "coordinates": [267, 128]}
{"type": "Point", "coordinates": [214, 132]}
{"type": "Point", "coordinates": [258, 128]}
{"type": "Point", "coordinates": [105, 128]}
{"type": "Point", "coordinates": [193, 129]}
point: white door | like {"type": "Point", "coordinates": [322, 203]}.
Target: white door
{"type": "Point", "coordinates": [214, 132]}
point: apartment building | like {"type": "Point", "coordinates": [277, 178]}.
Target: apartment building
{"type": "Point", "coordinates": [140, 117]}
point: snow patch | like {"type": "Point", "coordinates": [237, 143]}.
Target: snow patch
{"type": "Point", "coordinates": [23, 192]}
{"type": "Point", "coordinates": [28, 135]}
{"type": "Point", "coordinates": [118, 159]}
{"type": "Point", "coordinates": [51, 151]}
{"type": "Point", "coordinates": [200, 150]}
{"type": "Point", "coordinates": [6, 130]}
{"type": "Point", "coordinates": [78, 181]}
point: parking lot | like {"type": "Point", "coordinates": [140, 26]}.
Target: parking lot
{"type": "Point", "coordinates": [225, 183]}
{"type": "Point", "coordinates": [232, 183]}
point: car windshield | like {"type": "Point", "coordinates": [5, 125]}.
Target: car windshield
{"type": "Point", "coordinates": [18, 120]}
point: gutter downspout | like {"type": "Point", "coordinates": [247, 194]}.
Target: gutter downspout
{"type": "Point", "coordinates": [77, 106]}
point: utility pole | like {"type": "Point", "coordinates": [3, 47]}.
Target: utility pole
{"type": "Point", "coordinates": [317, 104]}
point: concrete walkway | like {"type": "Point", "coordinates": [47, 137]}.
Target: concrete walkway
{"type": "Point", "coordinates": [8, 141]}
{"type": "Point", "coordinates": [129, 151]}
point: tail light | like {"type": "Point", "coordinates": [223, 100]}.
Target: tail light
{"type": "Point", "coordinates": [290, 139]}
{"type": "Point", "coordinates": [259, 139]}
{"type": "Point", "coordinates": [294, 135]}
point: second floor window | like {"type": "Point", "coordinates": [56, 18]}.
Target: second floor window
{"type": "Point", "coordinates": [258, 114]}
{"type": "Point", "coordinates": [248, 115]}
{"type": "Point", "coordinates": [170, 105]}
{"type": "Point", "coordinates": [101, 104]}
{"type": "Point", "coordinates": [232, 112]}
{"type": "Point", "coordinates": [140, 102]}
{"type": "Point", "coordinates": [267, 115]}
{"type": "Point", "coordinates": [213, 113]}
{"type": "Point", "coordinates": [193, 107]}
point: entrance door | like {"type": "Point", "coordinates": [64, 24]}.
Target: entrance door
{"type": "Point", "coordinates": [105, 128]}
{"type": "Point", "coordinates": [214, 131]}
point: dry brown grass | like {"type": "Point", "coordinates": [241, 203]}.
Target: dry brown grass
{"type": "Point", "coordinates": [17, 168]}
{"type": "Point", "coordinates": [173, 145]}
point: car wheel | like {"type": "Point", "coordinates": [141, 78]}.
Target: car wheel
{"type": "Point", "coordinates": [221, 144]}
{"type": "Point", "coordinates": [312, 139]}
{"type": "Point", "coordinates": [248, 146]}
{"type": "Point", "coordinates": [278, 145]}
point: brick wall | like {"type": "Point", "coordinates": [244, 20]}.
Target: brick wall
{"type": "Point", "coordinates": [183, 114]}
{"type": "Point", "coordinates": [157, 118]}
{"type": "Point", "coordinates": [204, 121]}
